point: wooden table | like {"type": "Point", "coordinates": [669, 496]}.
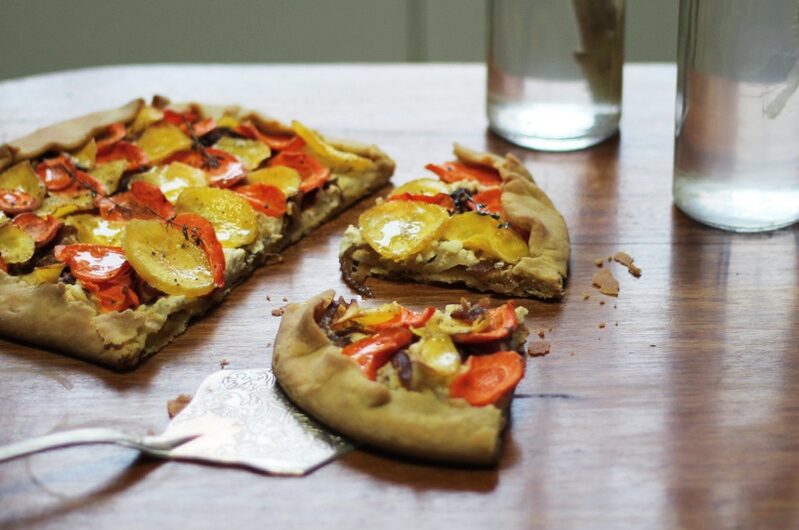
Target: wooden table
{"type": "Point", "coordinates": [681, 412]}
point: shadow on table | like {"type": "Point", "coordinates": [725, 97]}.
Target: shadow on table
{"type": "Point", "coordinates": [134, 473]}
{"type": "Point", "coordinates": [425, 476]}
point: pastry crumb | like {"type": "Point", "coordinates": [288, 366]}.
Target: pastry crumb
{"type": "Point", "coordinates": [174, 406]}
{"type": "Point", "coordinates": [606, 282]}
{"type": "Point", "coordinates": [627, 260]}
{"type": "Point", "coordinates": [277, 312]}
{"type": "Point", "coordinates": [541, 333]}
{"type": "Point", "coordinates": [616, 323]}
{"type": "Point", "coordinates": [601, 302]}
{"type": "Point", "coordinates": [601, 325]}
{"type": "Point", "coordinates": [223, 363]}
{"type": "Point", "coordinates": [586, 296]}
{"type": "Point", "coordinates": [268, 298]}
{"type": "Point", "coordinates": [599, 262]}
{"type": "Point", "coordinates": [285, 299]}
{"type": "Point", "coordinates": [538, 348]}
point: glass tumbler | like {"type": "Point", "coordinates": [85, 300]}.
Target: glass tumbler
{"type": "Point", "coordinates": [555, 71]}
{"type": "Point", "coordinates": [736, 155]}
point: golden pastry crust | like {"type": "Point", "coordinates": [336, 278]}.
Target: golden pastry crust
{"type": "Point", "coordinates": [541, 275]}
{"type": "Point", "coordinates": [332, 388]}
{"type": "Point", "coordinates": [62, 317]}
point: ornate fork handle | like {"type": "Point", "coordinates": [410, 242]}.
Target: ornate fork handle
{"type": "Point", "coordinates": [152, 445]}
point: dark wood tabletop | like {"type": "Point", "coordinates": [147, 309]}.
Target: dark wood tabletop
{"type": "Point", "coordinates": [673, 405]}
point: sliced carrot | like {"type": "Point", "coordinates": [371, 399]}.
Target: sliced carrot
{"type": "Point", "coordinates": [267, 199]}
{"type": "Point", "coordinates": [313, 173]}
{"type": "Point", "coordinates": [224, 170]}
{"type": "Point", "coordinates": [455, 171]}
{"type": "Point", "coordinates": [3, 265]}
{"type": "Point", "coordinates": [488, 201]}
{"type": "Point", "coordinates": [16, 201]}
{"type": "Point", "coordinates": [203, 127]}
{"type": "Point", "coordinates": [442, 199]}
{"type": "Point", "coordinates": [114, 133]}
{"type": "Point", "coordinates": [190, 118]}
{"type": "Point", "coordinates": [179, 118]}
{"type": "Point", "coordinates": [502, 321]}
{"type": "Point", "coordinates": [372, 352]}
{"type": "Point", "coordinates": [202, 230]}
{"type": "Point", "coordinates": [116, 295]}
{"type": "Point", "coordinates": [143, 201]}
{"type": "Point", "coordinates": [135, 155]}
{"type": "Point", "coordinates": [54, 172]}
{"type": "Point", "coordinates": [93, 263]}
{"type": "Point", "coordinates": [488, 378]}
{"type": "Point", "coordinates": [274, 141]}
{"type": "Point", "coordinates": [41, 229]}
{"type": "Point", "coordinates": [407, 319]}
{"type": "Point", "coordinates": [60, 174]}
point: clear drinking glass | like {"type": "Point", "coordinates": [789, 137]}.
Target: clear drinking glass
{"type": "Point", "coordinates": [736, 157]}
{"type": "Point", "coordinates": [555, 71]}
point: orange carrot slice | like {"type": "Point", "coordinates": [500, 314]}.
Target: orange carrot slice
{"type": "Point", "coordinates": [203, 232]}
{"type": "Point", "coordinates": [143, 201]}
{"type": "Point", "coordinates": [455, 171]}
{"type": "Point", "coordinates": [372, 352]}
{"type": "Point", "coordinates": [502, 321]}
{"type": "Point", "coordinates": [265, 198]}
{"type": "Point", "coordinates": [488, 378]}
{"type": "Point", "coordinates": [93, 263]}
{"type": "Point", "coordinates": [313, 173]}
{"type": "Point", "coordinates": [442, 199]}
{"type": "Point", "coordinates": [41, 229]}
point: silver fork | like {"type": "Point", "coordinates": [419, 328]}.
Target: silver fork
{"type": "Point", "coordinates": [158, 446]}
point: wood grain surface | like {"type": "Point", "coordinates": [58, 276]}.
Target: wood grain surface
{"type": "Point", "coordinates": [681, 412]}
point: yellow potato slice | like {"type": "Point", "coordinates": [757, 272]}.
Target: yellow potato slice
{"type": "Point", "coordinates": [160, 141]}
{"type": "Point", "coordinates": [147, 116]}
{"type": "Point", "coordinates": [86, 156]}
{"type": "Point", "coordinates": [174, 178]}
{"type": "Point", "coordinates": [398, 229]}
{"type": "Point", "coordinates": [379, 315]}
{"type": "Point", "coordinates": [45, 274]}
{"type": "Point", "coordinates": [16, 246]}
{"type": "Point", "coordinates": [284, 178]}
{"type": "Point", "coordinates": [166, 259]}
{"type": "Point", "coordinates": [61, 205]}
{"type": "Point", "coordinates": [330, 156]}
{"type": "Point", "coordinates": [110, 174]}
{"type": "Point", "coordinates": [229, 121]}
{"type": "Point", "coordinates": [482, 232]}
{"type": "Point", "coordinates": [439, 353]}
{"type": "Point", "coordinates": [422, 187]}
{"type": "Point", "coordinates": [234, 220]}
{"type": "Point", "coordinates": [4, 218]}
{"type": "Point", "coordinates": [249, 152]}
{"type": "Point", "coordinates": [21, 177]}
{"type": "Point", "coordinates": [95, 230]}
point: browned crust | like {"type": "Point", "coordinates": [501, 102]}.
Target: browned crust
{"type": "Point", "coordinates": [66, 135]}
{"type": "Point", "coordinates": [331, 387]}
{"type": "Point", "coordinates": [46, 315]}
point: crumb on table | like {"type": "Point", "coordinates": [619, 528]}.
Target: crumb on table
{"type": "Point", "coordinates": [606, 282]}
{"type": "Point", "coordinates": [627, 260]}
{"type": "Point", "coordinates": [174, 406]}
{"type": "Point", "coordinates": [223, 363]}
{"type": "Point", "coordinates": [278, 312]}
{"type": "Point", "coordinates": [538, 348]}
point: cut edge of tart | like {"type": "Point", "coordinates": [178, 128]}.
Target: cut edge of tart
{"type": "Point", "coordinates": [77, 316]}
{"type": "Point", "coordinates": [446, 416]}
{"type": "Point", "coordinates": [504, 235]}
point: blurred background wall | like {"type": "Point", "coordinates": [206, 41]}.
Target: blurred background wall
{"type": "Point", "coordinates": [45, 35]}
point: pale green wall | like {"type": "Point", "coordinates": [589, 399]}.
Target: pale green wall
{"type": "Point", "coordinates": [45, 35]}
